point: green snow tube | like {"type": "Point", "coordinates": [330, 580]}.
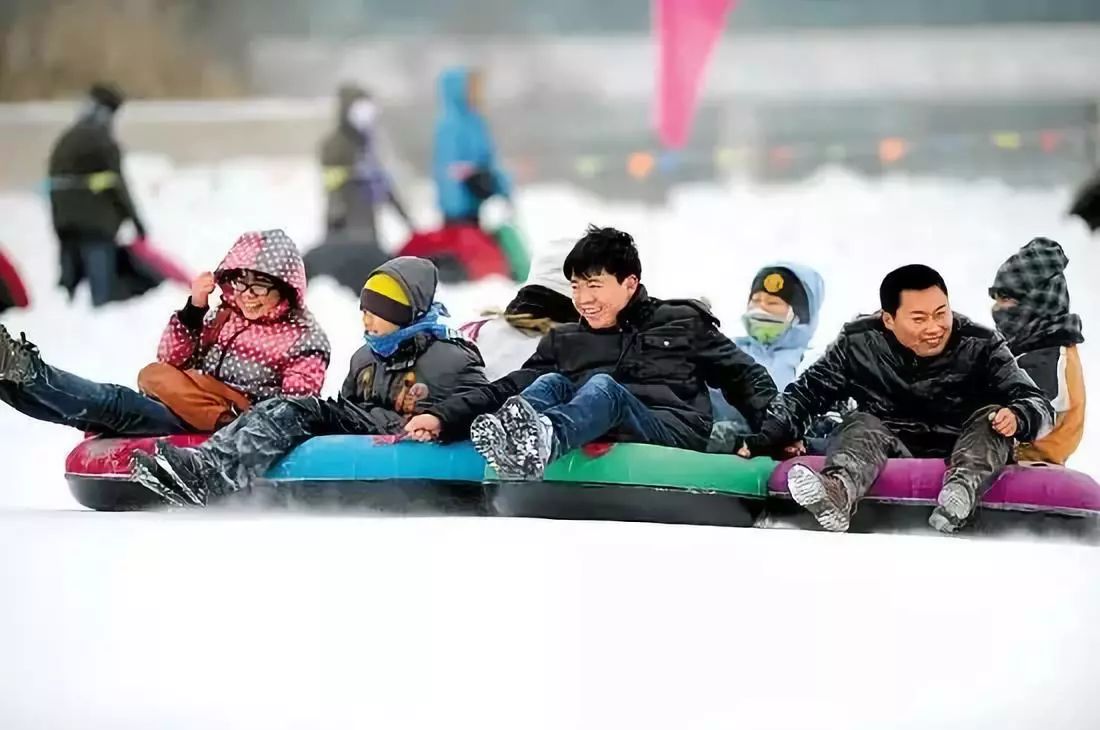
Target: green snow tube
{"type": "Point", "coordinates": [514, 248]}
{"type": "Point", "coordinates": [642, 483]}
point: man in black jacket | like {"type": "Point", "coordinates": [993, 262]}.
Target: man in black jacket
{"type": "Point", "coordinates": [89, 200]}
{"type": "Point", "coordinates": [635, 368]}
{"type": "Point", "coordinates": [928, 383]}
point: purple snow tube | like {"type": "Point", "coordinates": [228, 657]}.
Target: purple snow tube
{"type": "Point", "coordinates": [1031, 488]}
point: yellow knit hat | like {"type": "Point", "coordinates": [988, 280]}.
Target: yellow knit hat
{"type": "Point", "coordinates": [384, 296]}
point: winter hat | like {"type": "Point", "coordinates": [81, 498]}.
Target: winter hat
{"type": "Point", "coordinates": [546, 268]}
{"type": "Point", "coordinates": [385, 297]}
{"type": "Point", "coordinates": [781, 282]}
{"type": "Point", "coordinates": [106, 95]}
{"type": "Point", "coordinates": [1034, 276]}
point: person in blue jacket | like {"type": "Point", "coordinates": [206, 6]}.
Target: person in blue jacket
{"type": "Point", "coordinates": [464, 163]}
{"type": "Point", "coordinates": [780, 318]}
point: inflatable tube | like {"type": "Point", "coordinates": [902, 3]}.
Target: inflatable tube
{"type": "Point", "coordinates": [98, 472]}
{"type": "Point", "coordinates": [13, 294]}
{"type": "Point", "coordinates": [462, 251]}
{"type": "Point", "coordinates": [1027, 488]}
{"type": "Point", "coordinates": [515, 250]}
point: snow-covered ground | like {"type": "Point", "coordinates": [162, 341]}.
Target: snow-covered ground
{"type": "Point", "coordinates": [241, 621]}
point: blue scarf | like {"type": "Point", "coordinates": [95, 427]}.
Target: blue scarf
{"type": "Point", "coordinates": [387, 345]}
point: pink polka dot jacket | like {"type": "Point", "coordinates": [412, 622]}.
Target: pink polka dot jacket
{"type": "Point", "coordinates": [284, 353]}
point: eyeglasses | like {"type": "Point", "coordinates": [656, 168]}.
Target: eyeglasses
{"type": "Point", "coordinates": [257, 288]}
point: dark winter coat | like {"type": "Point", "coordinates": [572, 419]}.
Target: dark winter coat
{"type": "Point", "coordinates": [922, 400]}
{"type": "Point", "coordinates": [355, 180]}
{"type": "Point", "coordinates": [442, 367]}
{"type": "Point", "coordinates": [664, 352]}
{"type": "Point", "coordinates": [79, 212]}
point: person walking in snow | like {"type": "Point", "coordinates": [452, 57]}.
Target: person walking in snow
{"type": "Point", "coordinates": [411, 360]}
{"type": "Point", "coordinates": [90, 200]}
{"type": "Point", "coordinates": [355, 180]}
{"type": "Point", "coordinates": [464, 160]}
{"type": "Point", "coordinates": [634, 368]}
{"type": "Point", "coordinates": [927, 383]}
{"type": "Point", "coordinates": [212, 362]}
{"type": "Point", "coordinates": [1031, 310]}
{"type": "Point", "coordinates": [508, 339]}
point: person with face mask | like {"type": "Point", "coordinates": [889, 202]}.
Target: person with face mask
{"type": "Point", "coordinates": [928, 383]}
{"type": "Point", "coordinates": [410, 361]}
{"type": "Point", "coordinates": [89, 202]}
{"type": "Point", "coordinates": [355, 179]}
{"type": "Point", "coordinates": [1031, 310]}
{"type": "Point", "coordinates": [780, 320]}
{"type": "Point", "coordinates": [213, 361]}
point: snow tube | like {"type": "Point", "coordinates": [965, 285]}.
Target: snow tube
{"type": "Point", "coordinates": [98, 471]}
{"type": "Point", "coordinates": [12, 292]}
{"type": "Point", "coordinates": [625, 482]}
{"type": "Point", "coordinates": [1024, 488]}
{"type": "Point", "coordinates": [514, 247]}
{"type": "Point", "coordinates": [461, 252]}
{"type": "Point", "coordinates": [159, 262]}
{"type": "Point", "coordinates": [642, 483]}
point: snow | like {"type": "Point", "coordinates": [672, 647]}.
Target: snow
{"type": "Point", "coordinates": [239, 620]}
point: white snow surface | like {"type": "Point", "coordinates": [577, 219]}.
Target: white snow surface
{"type": "Point", "coordinates": [239, 620]}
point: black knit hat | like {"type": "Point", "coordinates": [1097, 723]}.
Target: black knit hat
{"type": "Point", "coordinates": [107, 95]}
{"type": "Point", "coordinates": [781, 282]}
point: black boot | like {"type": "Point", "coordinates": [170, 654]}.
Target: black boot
{"type": "Point", "coordinates": [18, 358]}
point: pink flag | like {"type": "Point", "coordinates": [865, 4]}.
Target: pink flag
{"type": "Point", "coordinates": [686, 32]}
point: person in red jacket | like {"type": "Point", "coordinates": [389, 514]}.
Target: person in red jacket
{"type": "Point", "coordinates": [212, 362]}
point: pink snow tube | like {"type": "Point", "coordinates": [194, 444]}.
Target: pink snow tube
{"type": "Point", "coordinates": [160, 263]}
{"type": "Point", "coordinates": [1028, 488]}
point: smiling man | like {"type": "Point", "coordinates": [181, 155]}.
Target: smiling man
{"type": "Point", "coordinates": [635, 368]}
{"type": "Point", "coordinates": [928, 383]}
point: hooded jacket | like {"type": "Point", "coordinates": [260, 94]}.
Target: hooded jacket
{"type": "Point", "coordinates": [508, 339]}
{"type": "Point", "coordinates": [664, 352]}
{"type": "Point", "coordinates": [443, 367]}
{"type": "Point", "coordinates": [922, 400]}
{"type": "Point", "coordinates": [1043, 335]}
{"type": "Point", "coordinates": [783, 357]}
{"type": "Point", "coordinates": [355, 180]}
{"type": "Point", "coordinates": [284, 353]}
{"type": "Point", "coordinates": [462, 136]}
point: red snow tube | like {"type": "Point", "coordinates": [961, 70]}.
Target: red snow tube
{"type": "Point", "coordinates": [1028, 488]}
{"type": "Point", "coordinates": [461, 252]}
{"type": "Point", "coordinates": [98, 471]}
{"type": "Point", "coordinates": [12, 291]}
{"type": "Point", "coordinates": [166, 267]}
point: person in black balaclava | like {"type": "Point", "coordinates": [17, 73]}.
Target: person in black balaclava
{"type": "Point", "coordinates": [1031, 310]}
{"type": "Point", "coordinates": [89, 201]}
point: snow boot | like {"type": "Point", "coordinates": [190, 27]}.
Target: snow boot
{"type": "Point", "coordinates": [145, 470]}
{"type": "Point", "coordinates": [823, 495]}
{"type": "Point", "coordinates": [18, 358]}
{"type": "Point", "coordinates": [955, 503]}
{"type": "Point", "coordinates": [530, 435]}
{"type": "Point", "coordinates": [491, 441]}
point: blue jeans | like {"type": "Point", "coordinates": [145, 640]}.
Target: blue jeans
{"type": "Point", "coordinates": [60, 397]}
{"type": "Point", "coordinates": [582, 415]}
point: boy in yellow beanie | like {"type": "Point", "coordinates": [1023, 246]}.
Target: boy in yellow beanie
{"type": "Point", "coordinates": [410, 361]}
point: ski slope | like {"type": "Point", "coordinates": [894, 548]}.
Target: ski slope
{"type": "Point", "coordinates": [237, 620]}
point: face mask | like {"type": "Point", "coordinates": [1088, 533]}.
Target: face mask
{"type": "Point", "coordinates": [361, 114]}
{"type": "Point", "coordinates": [765, 327]}
{"type": "Point", "coordinates": [1011, 320]}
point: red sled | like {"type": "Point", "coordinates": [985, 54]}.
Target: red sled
{"type": "Point", "coordinates": [12, 291]}
{"type": "Point", "coordinates": [460, 252]}
{"type": "Point", "coordinates": [160, 263]}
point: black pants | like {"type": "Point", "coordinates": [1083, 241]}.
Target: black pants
{"type": "Point", "coordinates": [252, 444]}
{"type": "Point", "coordinates": [859, 449]}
